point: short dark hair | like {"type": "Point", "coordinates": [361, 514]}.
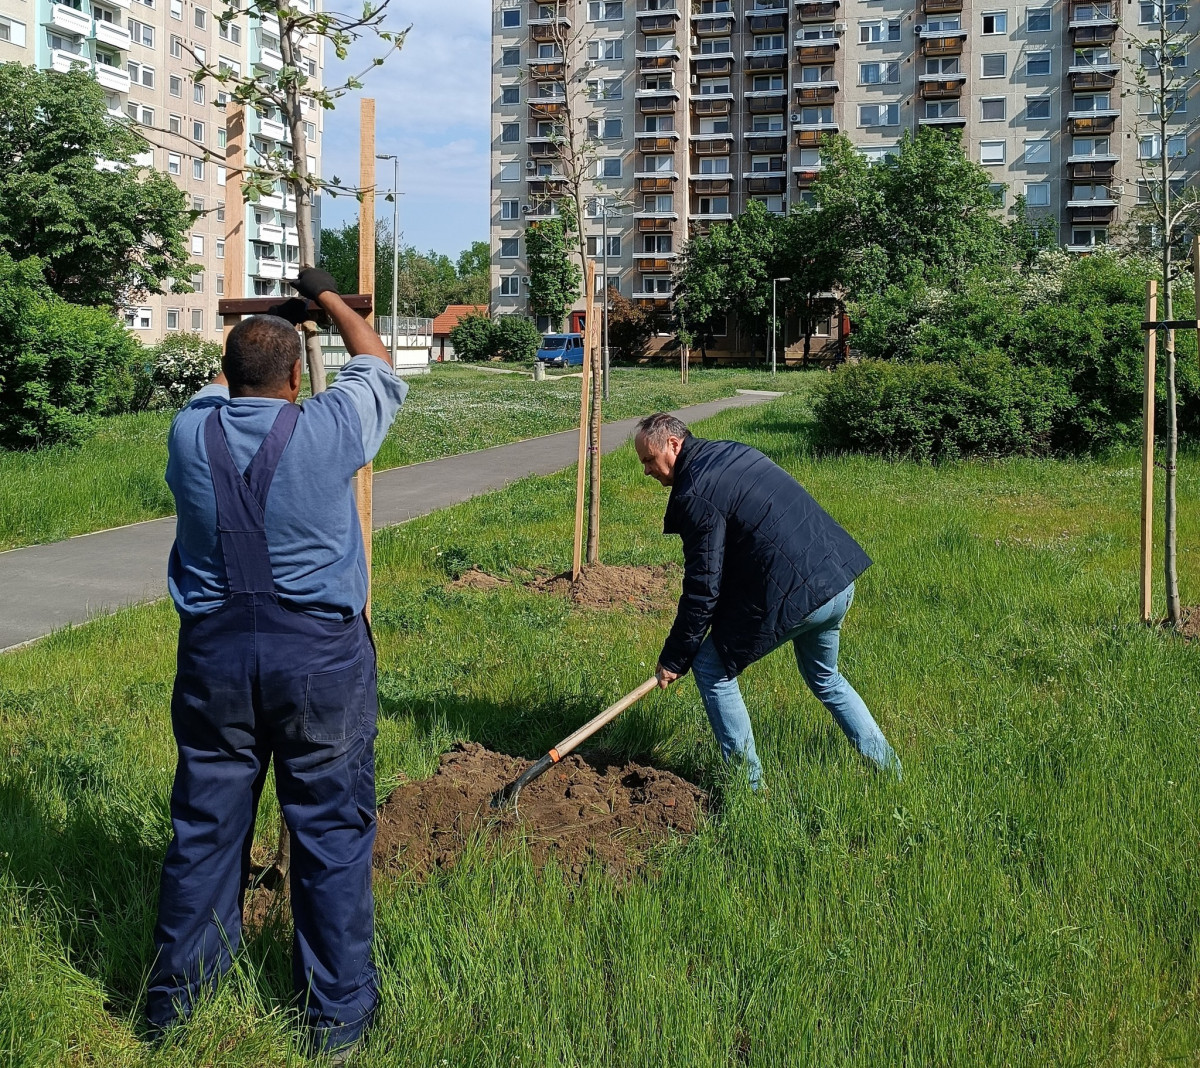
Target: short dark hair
{"type": "Point", "coordinates": [260, 352]}
{"type": "Point", "coordinates": [658, 427]}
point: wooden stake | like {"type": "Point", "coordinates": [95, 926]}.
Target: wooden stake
{"type": "Point", "coordinates": [235, 209]}
{"type": "Point", "coordinates": [592, 336]}
{"type": "Point", "coordinates": [363, 479]}
{"type": "Point", "coordinates": [1148, 454]}
{"type": "Point", "coordinates": [581, 469]}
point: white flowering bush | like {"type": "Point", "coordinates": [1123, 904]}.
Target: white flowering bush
{"type": "Point", "coordinates": [183, 363]}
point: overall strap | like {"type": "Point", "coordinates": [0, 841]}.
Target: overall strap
{"type": "Point", "coordinates": [241, 500]}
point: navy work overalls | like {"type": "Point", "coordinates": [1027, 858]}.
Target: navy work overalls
{"type": "Point", "coordinates": [256, 679]}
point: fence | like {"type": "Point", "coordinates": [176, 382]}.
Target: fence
{"type": "Point", "coordinates": [414, 339]}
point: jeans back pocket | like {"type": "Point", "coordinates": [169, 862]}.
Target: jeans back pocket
{"type": "Point", "coordinates": [334, 703]}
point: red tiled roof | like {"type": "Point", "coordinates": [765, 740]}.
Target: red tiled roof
{"type": "Point", "coordinates": [448, 320]}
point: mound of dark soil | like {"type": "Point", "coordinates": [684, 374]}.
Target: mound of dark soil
{"type": "Point", "coordinates": [580, 812]}
{"type": "Point", "coordinates": [598, 586]}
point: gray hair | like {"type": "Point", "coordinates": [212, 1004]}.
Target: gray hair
{"type": "Point", "coordinates": [656, 428]}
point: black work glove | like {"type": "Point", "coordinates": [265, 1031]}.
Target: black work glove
{"type": "Point", "coordinates": [313, 281]}
{"type": "Point", "coordinates": [295, 311]}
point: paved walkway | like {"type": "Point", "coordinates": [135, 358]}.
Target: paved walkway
{"type": "Point", "coordinates": [45, 587]}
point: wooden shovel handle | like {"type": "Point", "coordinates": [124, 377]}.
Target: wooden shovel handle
{"type": "Point", "coordinates": [607, 716]}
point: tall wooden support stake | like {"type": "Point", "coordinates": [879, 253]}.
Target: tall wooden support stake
{"type": "Point", "coordinates": [235, 207]}
{"type": "Point", "coordinates": [1148, 453]}
{"type": "Point", "coordinates": [592, 353]}
{"type": "Point", "coordinates": [363, 480]}
{"type": "Point", "coordinates": [585, 394]}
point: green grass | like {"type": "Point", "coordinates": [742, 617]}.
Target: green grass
{"type": "Point", "coordinates": [1028, 895]}
{"type": "Point", "coordinates": [116, 477]}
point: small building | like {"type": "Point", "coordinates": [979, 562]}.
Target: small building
{"type": "Point", "coordinates": [442, 349]}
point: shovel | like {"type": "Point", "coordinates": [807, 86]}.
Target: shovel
{"type": "Point", "coordinates": [510, 793]}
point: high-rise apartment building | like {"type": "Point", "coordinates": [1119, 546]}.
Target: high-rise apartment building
{"type": "Point", "coordinates": [142, 53]}
{"type": "Point", "coordinates": [699, 106]}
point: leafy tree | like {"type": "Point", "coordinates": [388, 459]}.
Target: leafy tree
{"type": "Point", "coordinates": [630, 327]}
{"type": "Point", "coordinates": [514, 337]}
{"type": "Point", "coordinates": [474, 267]}
{"type": "Point", "coordinates": [61, 365]}
{"type": "Point", "coordinates": [553, 276]}
{"type": "Point", "coordinates": [472, 337]}
{"type": "Point", "coordinates": [103, 235]}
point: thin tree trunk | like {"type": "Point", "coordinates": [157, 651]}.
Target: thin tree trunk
{"type": "Point", "coordinates": [593, 526]}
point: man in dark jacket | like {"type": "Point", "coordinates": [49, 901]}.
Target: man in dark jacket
{"type": "Point", "coordinates": [764, 564]}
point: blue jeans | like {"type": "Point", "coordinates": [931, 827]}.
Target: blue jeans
{"type": "Point", "coordinates": [815, 642]}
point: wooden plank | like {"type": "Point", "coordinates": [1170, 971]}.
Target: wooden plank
{"type": "Point", "coordinates": [364, 477]}
{"type": "Point", "coordinates": [363, 303]}
{"type": "Point", "coordinates": [581, 469]}
{"type": "Point", "coordinates": [1147, 604]}
{"type": "Point", "coordinates": [235, 210]}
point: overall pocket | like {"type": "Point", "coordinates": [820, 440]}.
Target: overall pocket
{"type": "Point", "coordinates": [334, 703]}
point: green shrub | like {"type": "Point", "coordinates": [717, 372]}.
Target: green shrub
{"type": "Point", "coordinates": [985, 406]}
{"type": "Point", "coordinates": [515, 337]}
{"type": "Point", "coordinates": [61, 365]}
{"type": "Point", "coordinates": [183, 364]}
{"type": "Point", "coordinates": [471, 337]}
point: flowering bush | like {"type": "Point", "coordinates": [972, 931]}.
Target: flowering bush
{"type": "Point", "coordinates": [183, 364]}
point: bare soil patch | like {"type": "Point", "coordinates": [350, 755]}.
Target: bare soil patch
{"type": "Point", "coordinates": [581, 812]}
{"type": "Point", "coordinates": [475, 579]}
{"type": "Point", "coordinates": [598, 586]}
{"type": "Point", "coordinates": [1189, 623]}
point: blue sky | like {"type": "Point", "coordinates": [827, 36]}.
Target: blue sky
{"type": "Point", "coordinates": [432, 108]}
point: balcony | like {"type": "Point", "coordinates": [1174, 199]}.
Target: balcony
{"type": "Point", "coordinates": [942, 86]}
{"type": "Point", "coordinates": [712, 144]}
{"type": "Point", "coordinates": [271, 233]}
{"type": "Point", "coordinates": [654, 261]}
{"type": "Point", "coordinates": [658, 177]}
{"type": "Point", "coordinates": [657, 21]}
{"type": "Point", "coordinates": [543, 149]}
{"type": "Point", "coordinates": [817, 92]}
{"type": "Point", "coordinates": [817, 10]}
{"type": "Point", "coordinates": [112, 78]}
{"type": "Point", "coordinates": [766, 183]}
{"type": "Point", "coordinates": [766, 103]}
{"type": "Point", "coordinates": [273, 201]}
{"type": "Point", "coordinates": [657, 105]}
{"type": "Point", "coordinates": [763, 22]}
{"type": "Point", "coordinates": [272, 129]}
{"type": "Point", "coordinates": [1100, 205]}
{"type": "Point", "coordinates": [656, 140]}
{"type": "Point", "coordinates": [942, 120]}
{"type": "Point", "coordinates": [655, 220]}
{"type": "Point", "coordinates": [1094, 167]}
{"type": "Point", "coordinates": [817, 51]}
{"type": "Point", "coordinates": [1089, 15]}
{"type": "Point", "coordinates": [943, 7]}
{"type": "Point", "coordinates": [551, 29]}
{"type": "Point", "coordinates": [657, 184]}
{"type": "Point", "coordinates": [810, 136]}
{"type": "Point", "coordinates": [268, 267]}
{"type": "Point", "coordinates": [805, 176]}
{"type": "Point", "coordinates": [548, 107]}
{"type": "Point", "coordinates": [943, 44]}
{"type": "Point", "coordinates": [291, 236]}
{"type": "Point", "coordinates": [269, 59]}
{"type": "Point", "coordinates": [712, 64]}
{"type": "Point", "coordinates": [709, 217]}
{"type": "Point", "coordinates": [663, 59]}
{"type": "Point", "coordinates": [712, 26]}
{"type": "Point", "coordinates": [766, 60]}
{"type": "Point", "coordinates": [712, 104]}
{"type": "Point", "coordinates": [1094, 77]}
{"type": "Point", "coordinates": [704, 184]}
{"type": "Point", "coordinates": [656, 94]}
{"type": "Point", "coordinates": [546, 70]}
{"type": "Point", "coordinates": [68, 20]}
{"type": "Point", "coordinates": [64, 61]}
{"type": "Point", "coordinates": [1086, 34]}
{"type": "Point", "coordinates": [759, 142]}
{"type": "Point", "coordinates": [538, 174]}
{"type": "Point", "coordinates": [1092, 122]}
{"type": "Point", "coordinates": [112, 35]}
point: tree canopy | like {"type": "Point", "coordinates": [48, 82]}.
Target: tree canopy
{"type": "Point", "coordinates": [105, 231]}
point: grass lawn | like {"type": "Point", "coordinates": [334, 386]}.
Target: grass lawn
{"type": "Point", "coordinates": [1028, 895]}
{"type": "Point", "coordinates": [116, 477]}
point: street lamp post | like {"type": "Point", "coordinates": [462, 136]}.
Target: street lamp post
{"type": "Point", "coordinates": [395, 245]}
{"type": "Point", "coordinates": [604, 292]}
{"type": "Point", "coordinates": [774, 325]}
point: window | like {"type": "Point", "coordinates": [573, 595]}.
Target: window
{"type": "Point", "coordinates": [714, 205]}
{"type": "Point", "coordinates": [1037, 194]}
{"type": "Point", "coordinates": [604, 88]}
{"type": "Point", "coordinates": [604, 129]}
{"type": "Point", "coordinates": [605, 10]}
{"type": "Point", "coordinates": [1037, 107]}
{"type": "Point", "coordinates": [810, 157]}
{"type": "Point", "coordinates": [198, 132]}
{"type": "Point", "coordinates": [198, 169]}
{"type": "Point", "coordinates": [510, 247]}
{"type": "Point", "coordinates": [138, 318]}
{"type": "Point", "coordinates": [510, 286]}
{"type": "Point", "coordinates": [510, 210]}
{"type": "Point", "coordinates": [177, 9]}
{"type": "Point", "coordinates": [595, 248]}
{"type": "Point", "coordinates": [995, 64]}
{"type": "Point", "coordinates": [510, 57]}
{"type": "Point", "coordinates": [176, 47]}
{"type": "Point", "coordinates": [220, 252]}
{"type": "Point", "coordinates": [1090, 102]}
{"type": "Point", "coordinates": [1089, 237]}
{"type": "Point", "coordinates": [773, 204]}
{"type": "Point", "coordinates": [1150, 147]}
{"type": "Point", "coordinates": [1171, 12]}
{"type": "Point", "coordinates": [822, 116]}
{"type": "Point", "coordinates": [879, 115]}
{"type": "Point", "coordinates": [659, 123]}
{"type": "Point", "coordinates": [945, 109]}
{"type": "Point", "coordinates": [658, 81]}
{"type": "Point", "coordinates": [175, 124]}
{"type": "Point", "coordinates": [229, 32]}
{"type": "Point", "coordinates": [197, 318]}
{"type": "Point", "coordinates": [661, 43]}
{"type": "Point", "coordinates": [944, 25]}
{"type": "Point", "coordinates": [766, 124]}
{"type": "Point", "coordinates": [879, 30]}
{"type": "Point", "coordinates": [141, 114]}
{"type": "Point", "coordinates": [201, 19]}
{"type": "Point", "coordinates": [768, 83]}
{"type": "Point", "coordinates": [1037, 151]}
{"type": "Point", "coordinates": [197, 92]}
{"type": "Point", "coordinates": [172, 318]}
{"type": "Point", "coordinates": [1037, 19]}
{"type": "Point", "coordinates": [1091, 191]}
{"type": "Point", "coordinates": [997, 189]}
{"type": "Point", "coordinates": [658, 164]}
{"type": "Point", "coordinates": [141, 74]}
{"type": "Point", "coordinates": [12, 31]}
{"type": "Point", "coordinates": [991, 152]}
{"type": "Point", "coordinates": [175, 85]}
{"type": "Point", "coordinates": [991, 109]}
{"type": "Point", "coordinates": [1176, 55]}
{"type": "Point", "coordinates": [609, 167]}
{"type": "Point", "coordinates": [659, 203]}
{"type": "Point", "coordinates": [510, 171]}
{"type": "Point", "coordinates": [1089, 146]}
{"type": "Point", "coordinates": [715, 7]}
{"type": "Point", "coordinates": [766, 164]}
{"type": "Point", "coordinates": [715, 46]}
{"type": "Point", "coordinates": [141, 33]}
{"type": "Point", "coordinates": [659, 284]}
{"type": "Point", "coordinates": [995, 22]}
{"type": "Point", "coordinates": [769, 42]}
{"type": "Point", "coordinates": [657, 243]}
{"type": "Point", "coordinates": [220, 211]}
{"type": "Point", "coordinates": [1037, 64]}
{"type": "Point", "coordinates": [197, 245]}
{"type": "Point", "coordinates": [714, 86]}
{"type": "Point", "coordinates": [174, 164]}
{"type": "Point", "coordinates": [815, 74]}
{"type": "Point", "coordinates": [510, 94]}
{"type": "Point", "coordinates": [878, 73]}
{"type": "Point", "coordinates": [718, 125]}
{"type": "Point", "coordinates": [714, 164]}
{"type": "Point", "coordinates": [606, 48]}
{"type": "Point", "coordinates": [511, 18]}
{"type": "Point", "coordinates": [510, 132]}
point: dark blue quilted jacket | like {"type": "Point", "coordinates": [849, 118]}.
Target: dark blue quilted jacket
{"type": "Point", "coordinates": [759, 554]}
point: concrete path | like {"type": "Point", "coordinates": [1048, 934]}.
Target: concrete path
{"type": "Point", "coordinates": [45, 587]}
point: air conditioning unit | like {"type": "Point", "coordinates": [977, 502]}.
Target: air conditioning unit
{"type": "Point", "coordinates": [839, 28]}
{"type": "Point", "coordinates": [695, 42]}
{"type": "Point", "coordinates": [589, 64]}
{"type": "Point", "coordinates": [795, 116]}
{"type": "Point", "coordinates": [525, 279]}
{"type": "Point", "coordinates": [531, 165]}
{"type": "Point", "coordinates": [918, 29]}
{"type": "Point", "coordinates": [695, 80]}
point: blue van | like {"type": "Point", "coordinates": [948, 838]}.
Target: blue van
{"type": "Point", "coordinates": [562, 350]}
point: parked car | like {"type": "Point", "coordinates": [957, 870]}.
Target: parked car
{"type": "Point", "coordinates": [562, 350]}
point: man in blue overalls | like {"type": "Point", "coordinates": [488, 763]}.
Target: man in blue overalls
{"type": "Point", "coordinates": [275, 661]}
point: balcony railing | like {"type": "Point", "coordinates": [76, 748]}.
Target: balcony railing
{"type": "Point", "coordinates": [758, 142]}
{"type": "Point", "coordinates": [551, 29]}
{"type": "Point", "coordinates": [942, 86]}
{"type": "Point", "coordinates": [943, 7]}
{"type": "Point", "coordinates": [766, 103]}
{"type": "Point", "coordinates": [942, 120]}
{"type": "Point", "coordinates": [67, 20]}
{"type": "Point", "coordinates": [712, 104]}
{"type": "Point", "coordinates": [271, 233]}
{"type": "Point", "coordinates": [1092, 122]}
{"type": "Point", "coordinates": [942, 45]}
{"type": "Point", "coordinates": [1092, 79]}
{"type": "Point", "coordinates": [113, 78]}
{"type": "Point", "coordinates": [818, 93]}
{"type": "Point", "coordinates": [766, 183]}
{"type": "Point", "coordinates": [712, 25]}
{"type": "Point", "coordinates": [657, 105]}
{"type": "Point", "coordinates": [766, 61]}
{"type": "Point", "coordinates": [546, 70]}
{"type": "Point", "coordinates": [817, 51]}
{"type": "Point", "coordinates": [63, 61]}
{"type": "Point", "coordinates": [706, 184]}
{"type": "Point", "coordinates": [760, 22]}
{"type": "Point", "coordinates": [656, 140]}
{"type": "Point", "coordinates": [805, 176]}
{"type": "Point", "coordinates": [113, 36]}
{"type": "Point", "coordinates": [270, 59]}
{"type": "Point", "coordinates": [1092, 166]}
{"type": "Point", "coordinates": [712, 64]}
{"type": "Point", "coordinates": [817, 10]}
{"type": "Point", "coordinates": [658, 184]}
{"type": "Point", "coordinates": [1094, 33]}
{"type": "Point", "coordinates": [657, 21]}
{"type": "Point", "coordinates": [660, 60]}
